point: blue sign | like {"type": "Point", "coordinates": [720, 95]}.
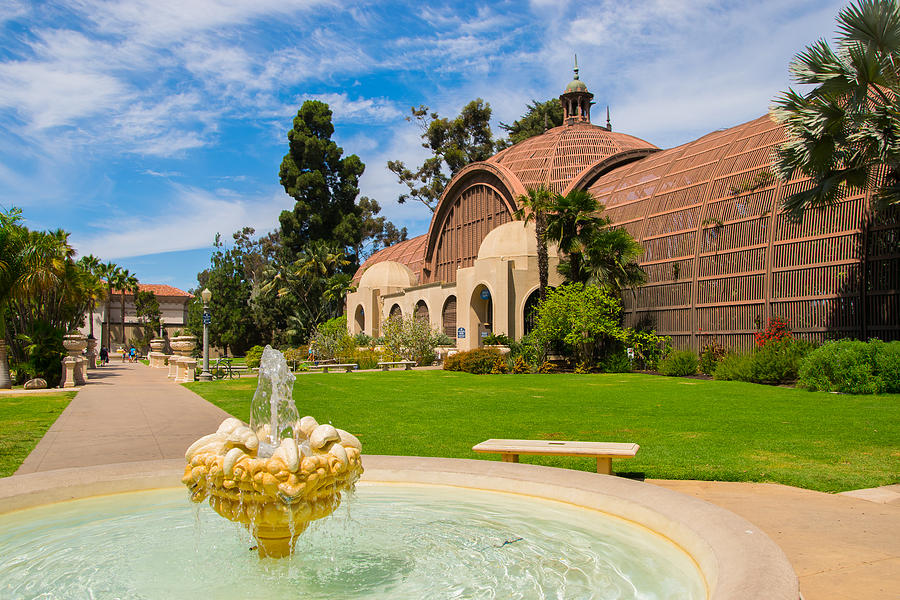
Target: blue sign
{"type": "Point", "coordinates": [207, 318]}
{"type": "Point", "coordinates": [461, 333]}
{"type": "Point", "coordinates": [485, 294]}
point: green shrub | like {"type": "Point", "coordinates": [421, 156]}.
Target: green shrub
{"type": "Point", "coordinates": [853, 367]}
{"type": "Point", "coordinates": [410, 338]}
{"type": "Point", "coordinates": [497, 339]}
{"type": "Point", "coordinates": [582, 368]}
{"type": "Point", "coordinates": [546, 368]}
{"type": "Point", "coordinates": [710, 357]}
{"type": "Point", "coordinates": [615, 362]}
{"type": "Point", "coordinates": [253, 356]}
{"type": "Point", "coordinates": [500, 367]}
{"type": "Point", "coordinates": [520, 366]}
{"type": "Point", "coordinates": [778, 361]}
{"type": "Point", "coordinates": [479, 361]}
{"type": "Point", "coordinates": [679, 363]}
{"type": "Point", "coordinates": [648, 348]}
{"type": "Point", "coordinates": [332, 339]}
{"type": "Point", "coordinates": [365, 358]}
{"type": "Point", "coordinates": [362, 340]}
{"type": "Point", "coordinates": [442, 339]}
{"type": "Point", "coordinates": [44, 353]}
{"type": "Point", "coordinates": [734, 366]}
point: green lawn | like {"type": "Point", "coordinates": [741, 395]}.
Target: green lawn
{"type": "Point", "coordinates": [687, 428]}
{"type": "Point", "coordinates": [24, 419]}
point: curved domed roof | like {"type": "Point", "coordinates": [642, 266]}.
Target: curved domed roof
{"type": "Point", "coordinates": [387, 274]}
{"type": "Point", "coordinates": [510, 239]}
{"type": "Point", "coordinates": [576, 85]}
{"type": "Point", "coordinates": [555, 157]}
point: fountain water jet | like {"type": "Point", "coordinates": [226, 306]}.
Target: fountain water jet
{"type": "Point", "coordinates": [279, 473]}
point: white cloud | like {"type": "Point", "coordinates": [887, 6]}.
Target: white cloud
{"type": "Point", "coordinates": [363, 110]}
{"type": "Point", "coordinates": [188, 220]}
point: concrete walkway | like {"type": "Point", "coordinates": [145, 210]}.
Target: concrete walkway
{"type": "Point", "coordinates": [127, 412]}
{"type": "Point", "coordinates": [842, 546]}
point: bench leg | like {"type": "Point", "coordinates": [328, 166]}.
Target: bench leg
{"type": "Point", "coordinates": [324, 369]}
{"type": "Point", "coordinates": [511, 458]}
{"type": "Point", "coordinates": [604, 466]}
{"type": "Point", "coordinates": [385, 368]}
{"type": "Point", "coordinates": [408, 367]}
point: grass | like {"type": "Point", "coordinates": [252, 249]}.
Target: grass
{"type": "Point", "coordinates": [24, 419]}
{"type": "Point", "coordinates": [687, 428]}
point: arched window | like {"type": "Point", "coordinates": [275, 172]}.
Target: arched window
{"type": "Point", "coordinates": [395, 311]}
{"type": "Point", "coordinates": [421, 310]}
{"type": "Point", "coordinates": [448, 317]}
{"type": "Point", "coordinates": [360, 319]}
{"type": "Point", "coordinates": [530, 311]}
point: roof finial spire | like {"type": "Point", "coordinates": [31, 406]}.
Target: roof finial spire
{"type": "Point", "coordinates": [608, 124]}
{"type": "Point", "coordinates": [576, 66]}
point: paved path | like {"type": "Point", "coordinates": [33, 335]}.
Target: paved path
{"type": "Point", "coordinates": [128, 412]}
{"type": "Point", "coordinates": [842, 546]}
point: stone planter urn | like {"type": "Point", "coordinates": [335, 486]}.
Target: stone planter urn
{"type": "Point", "coordinates": [74, 343]}
{"type": "Point", "coordinates": [73, 365]}
{"type": "Point", "coordinates": [502, 349]}
{"type": "Point", "coordinates": [91, 353]}
{"type": "Point", "coordinates": [157, 355]}
{"type": "Point", "coordinates": [183, 345]}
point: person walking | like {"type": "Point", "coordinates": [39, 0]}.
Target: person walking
{"type": "Point", "coordinates": [104, 356]}
{"type": "Point", "coordinates": [132, 355]}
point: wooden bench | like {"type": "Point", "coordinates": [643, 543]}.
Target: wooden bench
{"type": "Point", "coordinates": [347, 367]}
{"type": "Point", "coordinates": [407, 364]}
{"type": "Point", "coordinates": [604, 452]}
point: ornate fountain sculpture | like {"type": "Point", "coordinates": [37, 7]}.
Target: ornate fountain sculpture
{"type": "Point", "coordinates": [279, 473]}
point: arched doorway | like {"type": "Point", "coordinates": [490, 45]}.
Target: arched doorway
{"type": "Point", "coordinates": [529, 311]}
{"type": "Point", "coordinates": [483, 309]}
{"type": "Point", "coordinates": [448, 317]}
{"type": "Point", "coordinates": [359, 320]}
{"type": "Point", "coordinates": [421, 311]}
{"type": "Point", "coordinates": [395, 311]}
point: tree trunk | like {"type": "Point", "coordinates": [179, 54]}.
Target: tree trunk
{"type": "Point", "coordinates": [124, 341]}
{"type": "Point", "coordinates": [543, 258]}
{"type": "Point", "coordinates": [5, 381]}
{"type": "Point", "coordinates": [108, 307]}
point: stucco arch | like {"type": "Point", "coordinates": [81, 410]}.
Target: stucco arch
{"type": "Point", "coordinates": [480, 312]}
{"type": "Point", "coordinates": [359, 319]}
{"type": "Point", "coordinates": [420, 310]}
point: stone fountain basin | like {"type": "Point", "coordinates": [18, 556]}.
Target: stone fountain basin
{"type": "Point", "coordinates": [737, 560]}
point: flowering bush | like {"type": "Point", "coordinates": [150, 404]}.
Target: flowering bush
{"type": "Point", "coordinates": [410, 339]}
{"type": "Point", "coordinates": [775, 331]}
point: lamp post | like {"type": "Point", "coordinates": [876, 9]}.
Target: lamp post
{"type": "Point", "coordinates": [206, 295]}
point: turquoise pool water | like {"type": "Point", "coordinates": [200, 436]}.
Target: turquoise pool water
{"type": "Point", "coordinates": [387, 541]}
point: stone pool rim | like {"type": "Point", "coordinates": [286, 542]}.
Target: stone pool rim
{"type": "Point", "coordinates": [737, 560]}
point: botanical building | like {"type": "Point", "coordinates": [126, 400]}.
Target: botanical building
{"type": "Point", "coordinates": [720, 256]}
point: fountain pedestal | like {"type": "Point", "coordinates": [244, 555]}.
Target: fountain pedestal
{"type": "Point", "coordinates": [173, 366]}
{"type": "Point", "coordinates": [91, 354]}
{"type": "Point", "coordinates": [280, 473]}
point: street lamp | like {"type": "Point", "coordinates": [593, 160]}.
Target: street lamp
{"type": "Point", "coordinates": [206, 295]}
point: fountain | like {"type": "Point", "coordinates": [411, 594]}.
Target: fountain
{"type": "Point", "coordinates": [278, 474]}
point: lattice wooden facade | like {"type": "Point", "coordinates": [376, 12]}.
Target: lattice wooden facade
{"type": "Point", "coordinates": [720, 256]}
{"type": "Point", "coordinates": [722, 259]}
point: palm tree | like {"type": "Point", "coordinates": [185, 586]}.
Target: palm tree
{"type": "Point", "coordinates": [125, 282]}
{"type": "Point", "coordinates": [535, 205]}
{"type": "Point", "coordinates": [846, 130]}
{"type": "Point", "coordinates": [844, 134]}
{"type": "Point", "coordinates": [29, 263]}
{"type": "Point", "coordinates": [109, 272]}
{"type": "Point", "coordinates": [95, 287]}
{"type": "Point", "coordinates": [610, 261]}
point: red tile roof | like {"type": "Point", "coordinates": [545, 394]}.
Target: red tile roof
{"type": "Point", "coordinates": [158, 289]}
{"type": "Point", "coordinates": [410, 253]}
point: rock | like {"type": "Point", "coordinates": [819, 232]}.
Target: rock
{"type": "Point", "coordinates": [36, 384]}
{"type": "Point", "coordinates": [323, 434]}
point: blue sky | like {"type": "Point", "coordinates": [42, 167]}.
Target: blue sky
{"type": "Point", "coordinates": [144, 127]}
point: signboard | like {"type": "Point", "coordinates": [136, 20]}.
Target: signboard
{"type": "Point", "coordinates": [630, 352]}
{"type": "Point", "coordinates": [485, 294]}
{"type": "Point", "coordinates": [207, 318]}
{"type": "Point", "coordinates": [485, 333]}
{"type": "Point", "coordinates": [461, 333]}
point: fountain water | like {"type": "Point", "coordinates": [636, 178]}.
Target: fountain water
{"type": "Point", "coordinates": [278, 474]}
